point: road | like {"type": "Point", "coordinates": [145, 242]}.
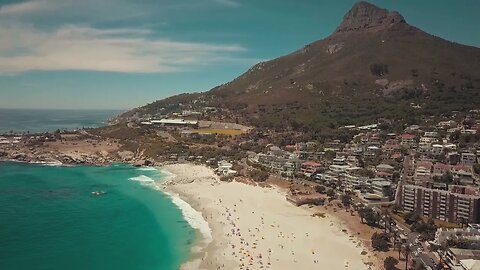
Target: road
{"type": "Point", "coordinates": [403, 177]}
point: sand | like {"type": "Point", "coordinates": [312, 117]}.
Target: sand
{"type": "Point", "coordinates": [256, 228]}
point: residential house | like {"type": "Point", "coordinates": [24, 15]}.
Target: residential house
{"type": "Point", "coordinates": [225, 168]}
{"type": "Point", "coordinates": [310, 167]}
{"type": "Point", "coordinates": [407, 140]}
{"type": "Point", "coordinates": [352, 161]}
{"type": "Point", "coordinates": [437, 149]}
{"type": "Point", "coordinates": [381, 187]}
{"type": "Point", "coordinates": [440, 169]}
{"type": "Point", "coordinates": [391, 146]}
{"type": "Point", "coordinates": [468, 158]}
{"type": "Point", "coordinates": [384, 171]}
{"type": "Point", "coordinates": [453, 158]}
{"type": "Point", "coordinates": [423, 171]}
{"type": "Point", "coordinates": [339, 161]}
{"type": "Point", "coordinates": [470, 234]}
{"type": "Point", "coordinates": [454, 256]}
{"type": "Point", "coordinates": [372, 151]}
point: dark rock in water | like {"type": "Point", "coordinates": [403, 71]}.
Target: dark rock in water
{"type": "Point", "coordinates": [149, 162]}
{"type": "Point", "coordinates": [139, 163]}
{"type": "Point", "coordinates": [143, 162]}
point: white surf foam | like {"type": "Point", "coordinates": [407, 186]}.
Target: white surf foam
{"type": "Point", "coordinates": [45, 163]}
{"type": "Point", "coordinates": [142, 179]}
{"type": "Point", "coordinates": [147, 169]}
{"type": "Point", "coordinates": [194, 218]}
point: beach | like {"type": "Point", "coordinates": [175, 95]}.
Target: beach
{"type": "Point", "coordinates": [257, 228]}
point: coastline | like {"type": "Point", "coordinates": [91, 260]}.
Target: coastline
{"type": "Point", "coordinates": [254, 227]}
{"type": "Point", "coordinates": [228, 232]}
{"type": "Point", "coordinates": [190, 210]}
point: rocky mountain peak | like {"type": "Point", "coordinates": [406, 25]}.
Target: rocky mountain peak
{"type": "Point", "coordinates": [367, 17]}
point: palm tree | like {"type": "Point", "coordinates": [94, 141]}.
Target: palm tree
{"type": "Point", "coordinates": [346, 201]}
{"type": "Point", "coordinates": [394, 240]}
{"type": "Point", "coordinates": [406, 251]}
{"type": "Point", "coordinates": [399, 251]}
{"type": "Point", "coordinates": [463, 221]}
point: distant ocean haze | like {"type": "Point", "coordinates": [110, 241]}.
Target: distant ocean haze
{"type": "Point", "coordinates": [43, 120]}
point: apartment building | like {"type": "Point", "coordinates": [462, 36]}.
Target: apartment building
{"type": "Point", "coordinates": [454, 205]}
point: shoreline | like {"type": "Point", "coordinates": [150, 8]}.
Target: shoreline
{"type": "Point", "coordinates": [254, 227]}
{"type": "Point", "coordinates": [200, 248]}
{"type": "Point", "coordinates": [220, 213]}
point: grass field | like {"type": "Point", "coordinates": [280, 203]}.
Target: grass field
{"type": "Point", "coordinates": [232, 132]}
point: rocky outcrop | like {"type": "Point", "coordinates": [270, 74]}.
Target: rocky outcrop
{"type": "Point", "coordinates": [126, 155]}
{"type": "Point", "coordinates": [367, 17]}
{"type": "Point", "coordinates": [143, 162]}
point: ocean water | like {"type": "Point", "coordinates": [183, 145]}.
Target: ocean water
{"type": "Point", "coordinates": [23, 120]}
{"type": "Point", "coordinates": [50, 220]}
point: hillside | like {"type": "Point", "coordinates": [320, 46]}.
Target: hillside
{"type": "Point", "coordinates": [375, 65]}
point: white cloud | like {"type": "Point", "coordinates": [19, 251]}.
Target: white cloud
{"type": "Point", "coordinates": [117, 50]}
{"type": "Point", "coordinates": [24, 8]}
{"type": "Point", "coordinates": [60, 35]}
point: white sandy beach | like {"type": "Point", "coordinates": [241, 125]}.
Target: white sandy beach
{"type": "Point", "coordinates": [256, 228]}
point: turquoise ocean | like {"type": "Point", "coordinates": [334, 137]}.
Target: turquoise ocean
{"type": "Point", "coordinates": [50, 220]}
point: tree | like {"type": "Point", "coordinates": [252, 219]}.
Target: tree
{"type": "Point", "coordinates": [320, 189]}
{"type": "Point", "coordinates": [366, 173]}
{"type": "Point", "coordinates": [330, 193]}
{"type": "Point", "coordinates": [463, 221]}
{"type": "Point", "coordinates": [346, 200]}
{"type": "Point", "coordinates": [446, 178]}
{"type": "Point", "coordinates": [406, 252]}
{"type": "Point", "coordinates": [370, 216]}
{"type": "Point", "coordinates": [57, 134]}
{"type": "Point", "coordinates": [380, 241]}
{"type": "Point", "coordinates": [420, 266]}
{"type": "Point", "coordinates": [259, 176]}
{"type": "Point", "coordinates": [411, 217]}
{"type": "Point", "coordinates": [390, 263]}
{"type": "Point", "coordinates": [395, 235]}
{"type": "Point", "coordinates": [455, 136]}
{"type": "Point", "coordinates": [426, 229]}
{"type": "Point", "coordinates": [476, 168]}
{"type": "Point", "coordinates": [387, 219]}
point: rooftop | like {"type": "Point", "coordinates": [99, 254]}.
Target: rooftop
{"type": "Point", "coordinates": [311, 163]}
{"type": "Point", "coordinates": [466, 252]}
{"type": "Point", "coordinates": [407, 136]}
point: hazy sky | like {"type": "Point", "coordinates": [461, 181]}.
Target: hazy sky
{"type": "Point", "coordinates": [121, 54]}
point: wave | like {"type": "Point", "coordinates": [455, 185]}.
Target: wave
{"type": "Point", "coordinates": [142, 179]}
{"type": "Point", "coordinates": [193, 217]}
{"type": "Point", "coordinates": [52, 164]}
{"type": "Point", "coordinates": [147, 169]}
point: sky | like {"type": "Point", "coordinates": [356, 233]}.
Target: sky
{"type": "Point", "coordinates": [119, 54]}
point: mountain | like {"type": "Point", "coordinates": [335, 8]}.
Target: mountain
{"type": "Point", "coordinates": [374, 65]}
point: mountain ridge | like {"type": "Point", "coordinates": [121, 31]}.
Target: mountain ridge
{"type": "Point", "coordinates": [374, 65]}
